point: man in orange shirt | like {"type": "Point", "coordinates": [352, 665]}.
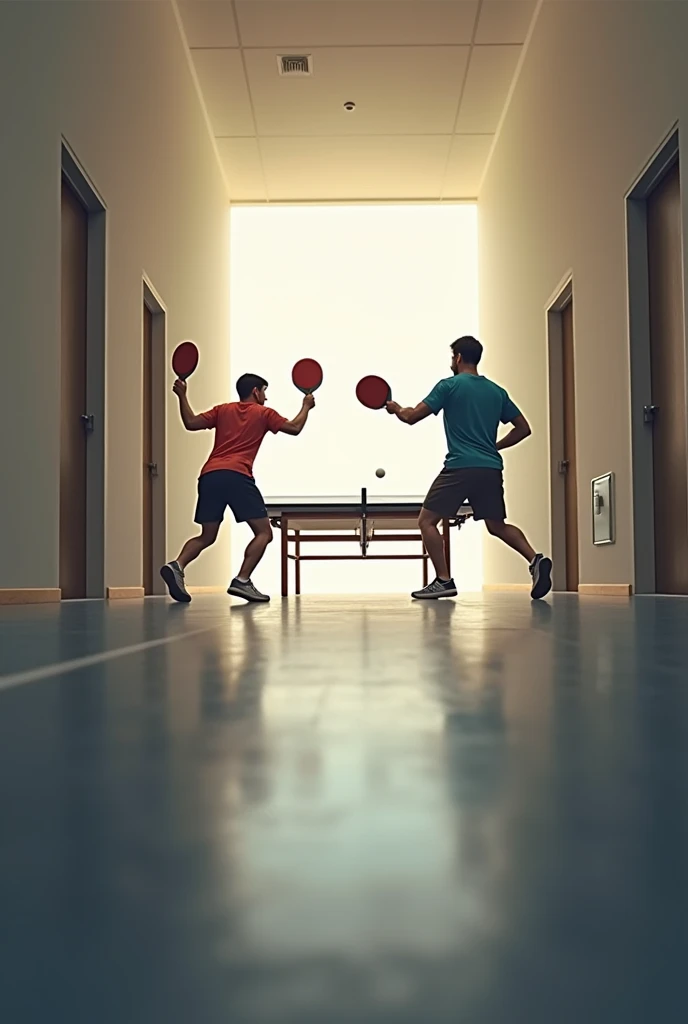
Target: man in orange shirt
{"type": "Point", "coordinates": [227, 478]}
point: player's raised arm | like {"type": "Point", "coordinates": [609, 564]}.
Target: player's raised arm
{"type": "Point", "coordinates": [430, 406]}
{"type": "Point", "coordinates": [189, 418]}
{"type": "Point", "coordinates": [409, 415]}
{"type": "Point", "coordinates": [296, 425]}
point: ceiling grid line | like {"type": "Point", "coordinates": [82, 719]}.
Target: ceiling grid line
{"type": "Point", "coordinates": [237, 29]}
{"type": "Point", "coordinates": [382, 135]}
{"type": "Point", "coordinates": [462, 92]}
{"type": "Point", "coordinates": [296, 47]}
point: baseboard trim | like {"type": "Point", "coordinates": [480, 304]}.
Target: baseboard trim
{"type": "Point", "coordinates": [494, 587]}
{"type": "Point", "coordinates": [125, 593]}
{"type": "Point", "coordinates": [207, 590]}
{"type": "Point", "coordinates": [31, 595]}
{"type": "Point", "coordinates": [605, 589]}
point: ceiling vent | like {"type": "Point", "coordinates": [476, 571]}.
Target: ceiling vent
{"type": "Point", "coordinates": [295, 65]}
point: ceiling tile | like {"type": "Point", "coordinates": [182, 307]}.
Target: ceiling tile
{"type": "Point", "coordinates": [355, 167]}
{"type": "Point", "coordinates": [467, 160]}
{"type": "Point", "coordinates": [241, 164]}
{"type": "Point", "coordinates": [397, 90]}
{"type": "Point", "coordinates": [221, 77]}
{"type": "Point", "coordinates": [301, 23]}
{"type": "Point", "coordinates": [504, 21]}
{"type": "Point", "coordinates": [208, 22]}
{"type": "Point", "coordinates": [490, 75]}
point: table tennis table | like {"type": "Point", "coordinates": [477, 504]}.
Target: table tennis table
{"type": "Point", "coordinates": [365, 520]}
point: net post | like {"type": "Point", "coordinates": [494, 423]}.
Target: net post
{"type": "Point", "coordinates": [364, 523]}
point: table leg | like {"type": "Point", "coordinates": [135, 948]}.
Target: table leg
{"type": "Point", "coordinates": [284, 540]}
{"type": "Point", "coordinates": [446, 537]}
{"type": "Point", "coordinates": [425, 567]}
{"type": "Point", "coordinates": [297, 563]}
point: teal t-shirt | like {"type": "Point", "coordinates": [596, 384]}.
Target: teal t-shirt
{"type": "Point", "coordinates": [473, 409]}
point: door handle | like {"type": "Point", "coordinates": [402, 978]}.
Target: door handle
{"type": "Point", "coordinates": [87, 422]}
{"type": "Point", "coordinates": [650, 413]}
{"type": "Point", "coordinates": [563, 467]}
{"type": "Point", "coordinates": [153, 468]}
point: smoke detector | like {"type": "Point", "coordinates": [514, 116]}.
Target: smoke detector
{"type": "Point", "coordinates": [295, 65]}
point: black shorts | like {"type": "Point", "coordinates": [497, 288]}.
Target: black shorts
{"type": "Point", "coordinates": [482, 488]}
{"type": "Point", "coordinates": [223, 487]}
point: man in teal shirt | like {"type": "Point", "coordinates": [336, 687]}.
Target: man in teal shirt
{"type": "Point", "coordinates": [473, 408]}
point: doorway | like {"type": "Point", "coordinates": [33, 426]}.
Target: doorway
{"type": "Point", "coordinates": [562, 415]}
{"type": "Point", "coordinates": [658, 375]}
{"type": "Point", "coordinates": [153, 438]}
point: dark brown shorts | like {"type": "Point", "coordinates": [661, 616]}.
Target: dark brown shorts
{"type": "Point", "coordinates": [483, 489]}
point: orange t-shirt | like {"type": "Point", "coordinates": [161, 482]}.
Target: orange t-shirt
{"type": "Point", "coordinates": [239, 431]}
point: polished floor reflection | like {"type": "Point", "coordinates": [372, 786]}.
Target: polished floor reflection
{"type": "Point", "coordinates": [328, 811]}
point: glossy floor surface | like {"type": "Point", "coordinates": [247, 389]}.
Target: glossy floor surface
{"type": "Point", "coordinates": [341, 810]}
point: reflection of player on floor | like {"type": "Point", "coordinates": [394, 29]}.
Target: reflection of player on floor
{"type": "Point", "coordinates": [473, 409]}
{"type": "Point", "coordinates": [227, 478]}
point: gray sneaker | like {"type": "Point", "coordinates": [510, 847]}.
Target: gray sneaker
{"type": "Point", "coordinates": [438, 588]}
{"type": "Point", "coordinates": [173, 576]}
{"type": "Point", "coordinates": [246, 590]}
{"type": "Point", "coordinates": [541, 574]}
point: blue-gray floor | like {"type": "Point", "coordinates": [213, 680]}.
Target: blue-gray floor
{"type": "Point", "coordinates": [341, 810]}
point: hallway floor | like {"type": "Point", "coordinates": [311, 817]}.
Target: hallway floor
{"type": "Point", "coordinates": [338, 810]}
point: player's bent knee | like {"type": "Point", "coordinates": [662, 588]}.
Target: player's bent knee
{"type": "Point", "coordinates": [427, 519]}
{"type": "Point", "coordinates": [209, 536]}
{"type": "Point", "coordinates": [495, 527]}
{"type": "Point", "coordinates": [262, 530]}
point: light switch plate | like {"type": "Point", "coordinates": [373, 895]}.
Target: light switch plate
{"type": "Point", "coordinates": [603, 509]}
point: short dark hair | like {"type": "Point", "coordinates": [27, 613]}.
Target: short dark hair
{"type": "Point", "coordinates": [469, 348]}
{"type": "Point", "coordinates": [247, 382]}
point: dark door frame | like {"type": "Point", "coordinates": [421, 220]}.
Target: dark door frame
{"type": "Point", "coordinates": [155, 305]}
{"type": "Point", "coordinates": [563, 295]}
{"type": "Point", "coordinates": [665, 157]}
{"type": "Point", "coordinates": [72, 172]}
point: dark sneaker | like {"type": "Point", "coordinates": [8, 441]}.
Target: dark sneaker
{"type": "Point", "coordinates": [438, 588]}
{"type": "Point", "coordinates": [174, 578]}
{"type": "Point", "coordinates": [246, 590]}
{"type": "Point", "coordinates": [541, 572]}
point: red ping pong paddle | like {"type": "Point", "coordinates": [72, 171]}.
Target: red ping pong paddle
{"type": "Point", "coordinates": [373, 392]}
{"type": "Point", "coordinates": [307, 375]}
{"type": "Point", "coordinates": [185, 359]}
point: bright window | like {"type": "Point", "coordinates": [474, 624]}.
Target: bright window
{"type": "Point", "coordinates": [362, 289]}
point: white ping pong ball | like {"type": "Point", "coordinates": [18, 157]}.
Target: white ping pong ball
{"type": "Point", "coordinates": [380, 473]}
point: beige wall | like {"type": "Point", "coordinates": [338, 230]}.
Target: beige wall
{"type": "Point", "coordinates": [113, 80]}
{"type": "Point", "coordinates": [602, 85]}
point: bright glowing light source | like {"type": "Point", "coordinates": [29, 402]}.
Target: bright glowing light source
{"type": "Point", "coordinates": [364, 290]}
